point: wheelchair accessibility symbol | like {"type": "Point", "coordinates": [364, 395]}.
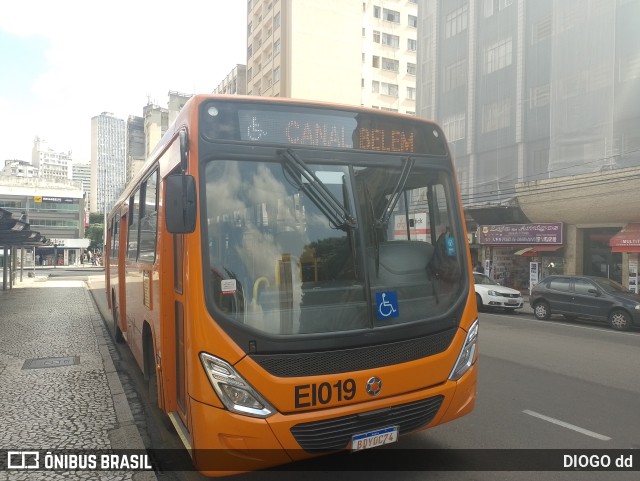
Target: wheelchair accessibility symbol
{"type": "Point", "coordinates": [387, 303]}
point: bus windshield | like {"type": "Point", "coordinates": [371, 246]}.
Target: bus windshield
{"type": "Point", "coordinates": [299, 246]}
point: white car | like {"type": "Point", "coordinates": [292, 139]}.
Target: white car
{"type": "Point", "coordinates": [490, 294]}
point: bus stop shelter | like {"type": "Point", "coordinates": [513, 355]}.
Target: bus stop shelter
{"type": "Point", "coordinates": [15, 234]}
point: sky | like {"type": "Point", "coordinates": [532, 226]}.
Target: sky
{"type": "Point", "coordinates": [63, 62]}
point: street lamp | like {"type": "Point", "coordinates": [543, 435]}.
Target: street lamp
{"type": "Point", "coordinates": [104, 209]}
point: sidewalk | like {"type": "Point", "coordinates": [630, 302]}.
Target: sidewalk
{"type": "Point", "coordinates": [526, 309]}
{"type": "Point", "coordinates": [59, 387]}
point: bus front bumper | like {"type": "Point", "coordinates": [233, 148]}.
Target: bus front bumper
{"type": "Point", "coordinates": [225, 443]}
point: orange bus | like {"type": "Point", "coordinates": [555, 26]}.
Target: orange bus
{"type": "Point", "coordinates": [294, 279]}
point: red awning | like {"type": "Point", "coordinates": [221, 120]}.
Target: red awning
{"type": "Point", "coordinates": [627, 240]}
{"type": "Point", "coordinates": [533, 251]}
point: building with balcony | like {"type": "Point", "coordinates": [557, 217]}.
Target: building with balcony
{"type": "Point", "coordinates": [235, 83]}
{"type": "Point", "coordinates": [344, 51]}
{"type": "Point", "coordinates": [19, 168]}
{"type": "Point", "coordinates": [51, 164]}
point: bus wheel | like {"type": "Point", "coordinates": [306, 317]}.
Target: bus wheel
{"type": "Point", "coordinates": [117, 333]}
{"type": "Point", "coordinates": [150, 368]}
{"type": "Point", "coordinates": [153, 388]}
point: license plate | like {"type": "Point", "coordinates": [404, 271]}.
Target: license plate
{"type": "Point", "coordinates": [512, 302]}
{"type": "Point", "coordinates": [373, 439]}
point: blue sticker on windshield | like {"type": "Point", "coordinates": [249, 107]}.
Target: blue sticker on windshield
{"type": "Point", "coordinates": [450, 244]}
{"type": "Point", "coordinates": [387, 303]}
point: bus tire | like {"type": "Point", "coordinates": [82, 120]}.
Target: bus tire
{"type": "Point", "coordinates": [150, 373]}
{"type": "Point", "coordinates": [116, 332]}
{"type": "Point", "coordinates": [153, 388]}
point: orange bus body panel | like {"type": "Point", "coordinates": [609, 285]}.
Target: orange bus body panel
{"type": "Point", "coordinates": [146, 294]}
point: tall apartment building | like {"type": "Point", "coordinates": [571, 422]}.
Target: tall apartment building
{"type": "Point", "coordinates": [81, 176]}
{"type": "Point", "coordinates": [135, 145]}
{"type": "Point", "coordinates": [346, 51]}
{"type": "Point", "coordinates": [528, 90]}
{"type": "Point", "coordinates": [538, 99]}
{"type": "Point", "coordinates": [156, 123]}
{"type": "Point", "coordinates": [51, 164]}
{"type": "Point", "coordinates": [235, 83]}
{"type": "Point", "coordinates": [108, 161]}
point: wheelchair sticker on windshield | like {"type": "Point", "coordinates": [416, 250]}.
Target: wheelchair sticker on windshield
{"type": "Point", "coordinates": [450, 245]}
{"type": "Point", "coordinates": [387, 303]}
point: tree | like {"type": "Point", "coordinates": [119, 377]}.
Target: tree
{"type": "Point", "coordinates": [96, 218]}
{"type": "Point", "coordinates": [94, 232]}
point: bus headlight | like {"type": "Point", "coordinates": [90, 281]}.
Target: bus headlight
{"type": "Point", "coordinates": [468, 354]}
{"type": "Point", "coordinates": [234, 392]}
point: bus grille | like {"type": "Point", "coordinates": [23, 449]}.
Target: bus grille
{"type": "Point", "coordinates": [356, 359]}
{"type": "Point", "coordinates": [335, 434]}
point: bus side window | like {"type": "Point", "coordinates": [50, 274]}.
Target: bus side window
{"type": "Point", "coordinates": [134, 216]}
{"type": "Point", "coordinates": [149, 220]}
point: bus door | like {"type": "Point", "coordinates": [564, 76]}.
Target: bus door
{"type": "Point", "coordinates": [117, 276]}
{"type": "Point", "coordinates": [178, 269]}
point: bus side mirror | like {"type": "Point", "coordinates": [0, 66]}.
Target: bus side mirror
{"type": "Point", "coordinates": [180, 204]}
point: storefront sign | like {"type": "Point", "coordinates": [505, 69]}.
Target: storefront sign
{"type": "Point", "coordinates": [55, 200]}
{"type": "Point", "coordinates": [633, 272]}
{"type": "Point", "coordinates": [534, 275]}
{"type": "Point", "coordinates": [503, 234]}
{"type": "Point", "coordinates": [627, 240]}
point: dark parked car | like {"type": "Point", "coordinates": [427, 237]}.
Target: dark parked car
{"type": "Point", "coordinates": [587, 297]}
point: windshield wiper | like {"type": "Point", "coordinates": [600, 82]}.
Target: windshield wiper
{"type": "Point", "coordinates": [395, 195]}
{"type": "Point", "coordinates": [331, 207]}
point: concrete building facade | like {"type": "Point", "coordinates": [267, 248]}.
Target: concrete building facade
{"type": "Point", "coordinates": [54, 209]}
{"type": "Point", "coordinates": [81, 176]}
{"type": "Point", "coordinates": [19, 168]}
{"type": "Point", "coordinates": [535, 100]}
{"type": "Point", "coordinates": [157, 120]}
{"type": "Point", "coordinates": [349, 52]}
{"type": "Point", "coordinates": [108, 161]}
{"type": "Point", "coordinates": [51, 164]}
{"type": "Point", "coordinates": [235, 83]}
{"type": "Point", "coordinates": [135, 145]}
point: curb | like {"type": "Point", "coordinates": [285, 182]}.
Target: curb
{"type": "Point", "coordinates": [126, 435]}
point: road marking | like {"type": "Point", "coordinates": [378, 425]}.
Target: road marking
{"type": "Point", "coordinates": [567, 425]}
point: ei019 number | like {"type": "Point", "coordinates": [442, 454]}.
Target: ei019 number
{"type": "Point", "coordinates": [310, 395]}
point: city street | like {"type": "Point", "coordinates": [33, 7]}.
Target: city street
{"type": "Point", "coordinates": [543, 385]}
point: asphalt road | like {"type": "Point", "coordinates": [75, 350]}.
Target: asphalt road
{"type": "Point", "coordinates": [542, 385]}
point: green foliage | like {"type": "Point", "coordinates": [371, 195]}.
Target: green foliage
{"type": "Point", "coordinates": [95, 233]}
{"type": "Point", "coordinates": [96, 218]}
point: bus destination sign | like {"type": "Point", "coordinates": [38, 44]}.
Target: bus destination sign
{"type": "Point", "coordinates": [323, 131]}
{"type": "Point", "coordinates": [320, 127]}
